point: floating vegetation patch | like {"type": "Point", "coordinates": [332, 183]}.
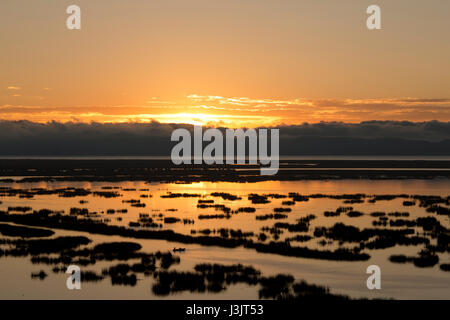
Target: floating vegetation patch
{"type": "Point", "coordinates": [278, 210]}
{"type": "Point", "coordinates": [214, 216]}
{"type": "Point", "coordinates": [219, 207]}
{"type": "Point", "coordinates": [276, 216]}
{"type": "Point", "coordinates": [180, 195]}
{"type": "Point", "coordinates": [354, 214]}
{"type": "Point", "coordinates": [171, 220]}
{"type": "Point", "coordinates": [200, 201]}
{"type": "Point", "coordinates": [423, 260]}
{"type": "Point", "coordinates": [19, 209]}
{"type": "Point", "coordinates": [258, 199]}
{"type": "Point", "coordinates": [225, 196]}
{"type": "Point", "coordinates": [214, 278]}
{"type": "Point", "coordinates": [41, 275]}
{"type": "Point", "coordinates": [246, 209]}
{"type": "Point", "coordinates": [23, 232]}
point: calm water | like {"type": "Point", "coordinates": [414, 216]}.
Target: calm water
{"type": "Point", "coordinates": [398, 280]}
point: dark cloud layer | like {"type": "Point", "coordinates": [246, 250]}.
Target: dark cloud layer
{"type": "Point", "coordinates": [428, 131]}
{"type": "Point", "coordinates": [23, 138]}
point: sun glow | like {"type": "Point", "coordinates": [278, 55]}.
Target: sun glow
{"type": "Point", "coordinates": [204, 119]}
{"type": "Point", "coordinates": [189, 118]}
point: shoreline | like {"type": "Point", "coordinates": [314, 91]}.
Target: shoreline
{"type": "Point", "coordinates": [36, 170]}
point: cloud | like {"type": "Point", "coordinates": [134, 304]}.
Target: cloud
{"type": "Point", "coordinates": [13, 88]}
{"type": "Point", "coordinates": [241, 111]}
{"type": "Point", "coordinates": [428, 131]}
{"type": "Point", "coordinates": [151, 139]}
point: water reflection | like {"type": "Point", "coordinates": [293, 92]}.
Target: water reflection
{"type": "Point", "coordinates": [326, 220]}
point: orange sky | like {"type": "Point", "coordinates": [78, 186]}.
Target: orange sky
{"type": "Point", "coordinates": [234, 63]}
{"type": "Point", "coordinates": [241, 112]}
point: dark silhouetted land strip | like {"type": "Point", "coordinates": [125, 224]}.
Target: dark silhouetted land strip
{"type": "Point", "coordinates": [24, 232]}
{"type": "Point", "coordinates": [164, 171]}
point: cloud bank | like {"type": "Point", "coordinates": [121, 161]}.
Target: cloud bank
{"type": "Point", "coordinates": [376, 138]}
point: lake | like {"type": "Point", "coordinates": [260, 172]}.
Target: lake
{"type": "Point", "coordinates": [231, 210]}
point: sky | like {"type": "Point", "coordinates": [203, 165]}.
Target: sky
{"type": "Point", "coordinates": [228, 63]}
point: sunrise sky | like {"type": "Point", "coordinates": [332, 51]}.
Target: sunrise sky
{"type": "Point", "coordinates": [233, 63]}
